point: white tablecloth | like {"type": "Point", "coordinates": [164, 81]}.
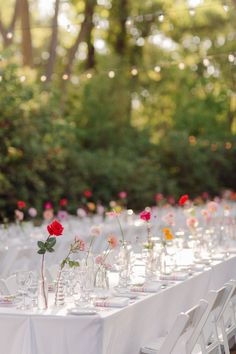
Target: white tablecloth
{"type": "Point", "coordinates": [120, 331]}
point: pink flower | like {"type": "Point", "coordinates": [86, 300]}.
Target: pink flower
{"type": "Point", "coordinates": [79, 243]}
{"type": "Point", "coordinates": [112, 240]}
{"type": "Point", "coordinates": [81, 213]}
{"type": "Point", "coordinates": [48, 214]}
{"type": "Point", "coordinates": [112, 213]}
{"type": "Point", "coordinates": [192, 222]}
{"type": "Point", "coordinates": [171, 200]}
{"type": "Point", "coordinates": [95, 230]}
{"type": "Point", "coordinates": [205, 195]}
{"type": "Point", "coordinates": [169, 219]}
{"type": "Point", "coordinates": [19, 215]}
{"type": "Point", "coordinates": [145, 215]}
{"type": "Point", "coordinates": [62, 215]}
{"type": "Point", "coordinates": [122, 195]}
{"type": "Point", "coordinates": [99, 259]}
{"type": "Point", "coordinates": [100, 209]}
{"type": "Point", "coordinates": [212, 207]}
{"type": "Point", "coordinates": [32, 212]}
{"type": "Point", "coordinates": [48, 205]}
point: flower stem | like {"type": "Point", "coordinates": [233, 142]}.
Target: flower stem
{"type": "Point", "coordinates": [43, 282]}
{"type": "Point", "coordinates": [89, 249]}
{"type": "Point", "coordinates": [59, 275]}
{"type": "Point", "coordinates": [121, 230]}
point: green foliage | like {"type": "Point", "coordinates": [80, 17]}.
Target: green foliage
{"type": "Point", "coordinates": [165, 130]}
{"type": "Point", "coordinates": [46, 246]}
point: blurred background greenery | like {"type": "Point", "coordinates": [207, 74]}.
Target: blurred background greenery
{"type": "Point", "coordinates": [113, 95]}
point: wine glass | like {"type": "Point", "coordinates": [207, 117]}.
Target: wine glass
{"type": "Point", "coordinates": [23, 279]}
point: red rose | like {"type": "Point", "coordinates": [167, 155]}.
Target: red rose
{"type": "Point", "coordinates": [55, 228]}
{"type": "Point", "coordinates": [63, 202]}
{"type": "Point", "coordinates": [183, 199]}
{"type": "Point", "coordinates": [159, 197]}
{"type": "Point", "coordinates": [145, 215]}
{"type": "Point", "coordinates": [87, 193]}
{"type": "Point", "coordinates": [21, 204]}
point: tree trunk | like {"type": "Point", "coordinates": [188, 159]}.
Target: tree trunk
{"type": "Point", "coordinates": [86, 26]}
{"type": "Point", "coordinates": [121, 40]}
{"type": "Point", "coordinates": [90, 63]}
{"type": "Point", "coordinates": [53, 43]}
{"type": "Point", "coordinates": [4, 31]}
{"type": "Point", "coordinates": [27, 49]}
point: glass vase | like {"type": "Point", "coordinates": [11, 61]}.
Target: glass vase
{"type": "Point", "coordinates": [150, 263]}
{"type": "Point", "coordinates": [124, 263]}
{"type": "Point", "coordinates": [42, 293]}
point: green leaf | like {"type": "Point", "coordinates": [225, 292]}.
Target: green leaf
{"type": "Point", "coordinates": [41, 244]}
{"type": "Point", "coordinates": [49, 249]}
{"type": "Point", "coordinates": [52, 241]}
{"type": "Point", "coordinates": [41, 251]}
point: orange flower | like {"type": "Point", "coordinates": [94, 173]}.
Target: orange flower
{"type": "Point", "coordinates": [168, 235]}
{"type": "Point", "coordinates": [112, 240]}
{"type": "Point", "coordinates": [91, 206]}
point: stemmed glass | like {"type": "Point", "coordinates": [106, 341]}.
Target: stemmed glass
{"type": "Point", "coordinates": [23, 279]}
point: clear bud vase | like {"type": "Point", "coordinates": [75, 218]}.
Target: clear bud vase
{"type": "Point", "coordinates": [42, 293]}
{"type": "Point", "coordinates": [124, 261]}
{"type": "Point", "coordinates": [60, 290]}
{"type": "Point", "coordinates": [42, 288]}
{"type": "Point", "coordinates": [101, 282]}
{"type": "Point", "coordinates": [150, 264]}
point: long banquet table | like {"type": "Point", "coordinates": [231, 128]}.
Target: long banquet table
{"type": "Point", "coordinates": [110, 331]}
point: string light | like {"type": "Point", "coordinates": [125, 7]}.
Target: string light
{"type": "Point", "coordinates": [134, 72]}
{"type": "Point", "coordinates": [89, 76]}
{"type": "Point", "coordinates": [157, 69]}
{"type": "Point", "coordinates": [65, 77]}
{"type": "Point", "coordinates": [111, 74]}
{"type": "Point", "coordinates": [9, 35]}
{"type": "Point", "coordinates": [22, 78]}
{"type": "Point", "coordinates": [43, 78]}
{"type": "Point", "coordinates": [231, 58]}
{"type": "Point", "coordinates": [181, 66]}
{"type": "Point", "coordinates": [161, 18]}
{"type": "Point", "coordinates": [226, 7]}
{"type": "Point", "coordinates": [191, 12]}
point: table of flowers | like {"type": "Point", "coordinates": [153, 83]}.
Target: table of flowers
{"type": "Point", "coordinates": [119, 286]}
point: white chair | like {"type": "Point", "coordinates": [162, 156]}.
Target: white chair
{"type": "Point", "coordinates": [180, 333]}
{"type": "Point", "coordinates": [209, 338]}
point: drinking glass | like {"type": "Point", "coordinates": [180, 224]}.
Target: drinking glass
{"type": "Point", "coordinates": [23, 279]}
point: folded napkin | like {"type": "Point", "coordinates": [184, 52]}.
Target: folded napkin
{"type": "Point", "coordinates": [147, 288]}
{"type": "Point", "coordinates": [113, 302]}
{"type": "Point", "coordinates": [81, 311]}
{"type": "Point", "coordinates": [175, 276]}
{"type": "Point", "coordinates": [129, 294]}
{"type": "Point", "coordinates": [202, 261]}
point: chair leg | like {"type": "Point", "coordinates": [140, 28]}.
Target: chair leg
{"type": "Point", "coordinates": [225, 338]}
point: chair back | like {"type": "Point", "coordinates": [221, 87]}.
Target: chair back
{"type": "Point", "coordinates": [183, 326]}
